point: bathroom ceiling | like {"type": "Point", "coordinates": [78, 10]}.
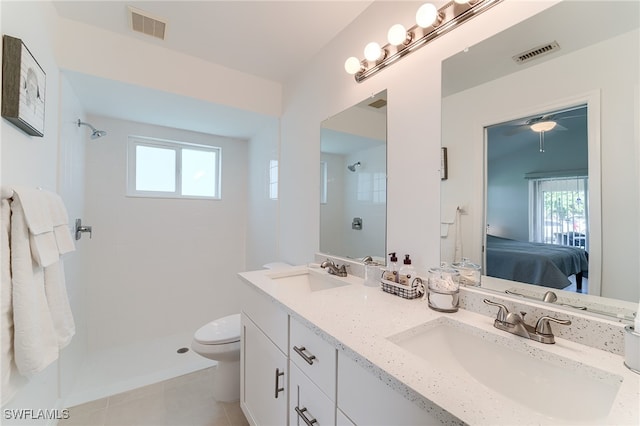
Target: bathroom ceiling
{"type": "Point", "coordinates": [269, 39]}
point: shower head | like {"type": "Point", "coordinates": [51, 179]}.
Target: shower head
{"type": "Point", "coordinates": [95, 132]}
{"type": "Point", "coordinates": [352, 167]}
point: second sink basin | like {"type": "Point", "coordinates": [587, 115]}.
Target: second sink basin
{"type": "Point", "coordinates": [540, 380]}
{"type": "Point", "coordinates": [306, 279]}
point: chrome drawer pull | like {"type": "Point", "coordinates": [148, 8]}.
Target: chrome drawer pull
{"type": "Point", "coordinates": [278, 374]}
{"type": "Point", "coordinates": [299, 351]}
{"type": "Point", "coordinates": [304, 416]}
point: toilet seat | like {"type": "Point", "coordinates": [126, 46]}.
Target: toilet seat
{"type": "Point", "coordinates": [222, 331]}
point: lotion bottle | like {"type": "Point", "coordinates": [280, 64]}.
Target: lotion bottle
{"type": "Point", "coordinates": [407, 273]}
{"type": "Point", "coordinates": [391, 274]}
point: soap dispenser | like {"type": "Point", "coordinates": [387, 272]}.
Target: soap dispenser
{"type": "Point", "coordinates": [391, 274]}
{"type": "Point", "coordinates": [407, 273]}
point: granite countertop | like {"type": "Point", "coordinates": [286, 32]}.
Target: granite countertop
{"type": "Point", "coordinates": [359, 321]}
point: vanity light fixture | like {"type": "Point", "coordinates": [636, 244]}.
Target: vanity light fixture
{"type": "Point", "coordinates": [431, 23]}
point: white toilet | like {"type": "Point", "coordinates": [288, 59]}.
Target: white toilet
{"type": "Point", "coordinates": [220, 340]}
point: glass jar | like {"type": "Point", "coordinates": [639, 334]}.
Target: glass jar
{"type": "Point", "coordinates": [443, 287]}
{"type": "Point", "coordinates": [469, 272]}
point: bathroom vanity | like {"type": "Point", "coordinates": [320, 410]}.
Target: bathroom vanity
{"type": "Point", "coordinates": [329, 349]}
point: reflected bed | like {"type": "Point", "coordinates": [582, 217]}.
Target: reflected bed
{"type": "Point", "coordinates": [548, 265]}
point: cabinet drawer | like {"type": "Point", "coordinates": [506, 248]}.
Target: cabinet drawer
{"type": "Point", "coordinates": [267, 315]}
{"type": "Point", "coordinates": [308, 405]}
{"type": "Point", "coordinates": [314, 356]}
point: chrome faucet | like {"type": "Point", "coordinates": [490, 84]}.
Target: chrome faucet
{"type": "Point", "coordinates": [513, 322]}
{"type": "Point", "coordinates": [333, 269]}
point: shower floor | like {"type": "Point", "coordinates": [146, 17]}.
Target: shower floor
{"type": "Point", "coordinates": [123, 368]}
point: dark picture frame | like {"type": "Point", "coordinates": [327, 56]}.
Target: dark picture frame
{"type": "Point", "coordinates": [444, 166]}
{"type": "Point", "coordinates": [23, 87]}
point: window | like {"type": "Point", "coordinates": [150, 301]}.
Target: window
{"type": "Point", "coordinates": [168, 169]}
{"type": "Point", "coordinates": [273, 179]}
{"type": "Point", "coordinates": [323, 182]}
{"type": "Point", "coordinates": [558, 211]}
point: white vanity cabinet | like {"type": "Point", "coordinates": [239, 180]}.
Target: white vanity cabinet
{"type": "Point", "coordinates": [263, 362]}
{"type": "Point", "coordinates": [312, 386]}
{"type": "Point", "coordinates": [366, 400]}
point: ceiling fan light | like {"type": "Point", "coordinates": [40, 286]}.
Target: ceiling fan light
{"type": "Point", "coordinates": [543, 126]}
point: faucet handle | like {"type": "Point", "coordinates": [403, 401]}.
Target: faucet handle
{"type": "Point", "coordinates": [543, 326]}
{"type": "Point", "coordinates": [502, 312]}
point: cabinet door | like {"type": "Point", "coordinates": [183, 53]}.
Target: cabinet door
{"type": "Point", "coordinates": [367, 400]}
{"type": "Point", "coordinates": [264, 379]}
{"type": "Point", "coordinates": [309, 405]}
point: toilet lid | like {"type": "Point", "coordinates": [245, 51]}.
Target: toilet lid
{"type": "Point", "coordinates": [221, 331]}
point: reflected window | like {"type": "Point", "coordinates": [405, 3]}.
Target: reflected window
{"type": "Point", "coordinates": [273, 179]}
{"type": "Point", "coordinates": [323, 182]}
{"type": "Point", "coordinates": [558, 211]}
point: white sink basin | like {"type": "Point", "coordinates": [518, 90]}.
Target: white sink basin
{"type": "Point", "coordinates": [542, 381]}
{"type": "Point", "coordinates": [306, 279]}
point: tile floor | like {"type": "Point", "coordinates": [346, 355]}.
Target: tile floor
{"type": "Point", "coordinates": [182, 401]}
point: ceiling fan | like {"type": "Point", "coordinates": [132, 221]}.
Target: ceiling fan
{"type": "Point", "coordinates": [545, 122]}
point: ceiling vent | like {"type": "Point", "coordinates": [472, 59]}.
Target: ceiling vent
{"type": "Point", "coordinates": [378, 103]}
{"type": "Point", "coordinates": [536, 52]}
{"type": "Point", "coordinates": [143, 22]}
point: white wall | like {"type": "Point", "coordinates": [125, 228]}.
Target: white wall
{"type": "Point", "coordinates": [413, 121]}
{"type": "Point", "coordinates": [262, 215]}
{"type": "Point", "coordinates": [566, 77]}
{"type": "Point", "coordinates": [53, 162]}
{"type": "Point", "coordinates": [160, 266]}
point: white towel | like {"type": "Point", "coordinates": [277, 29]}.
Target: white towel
{"type": "Point", "coordinates": [11, 379]}
{"type": "Point", "coordinates": [48, 223]}
{"type": "Point", "coordinates": [35, 341]}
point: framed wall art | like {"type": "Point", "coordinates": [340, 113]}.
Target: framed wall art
{"type": "Point", "coordinates": [444, 164]}
{"type": "Point", "coordinates": [23, 87]}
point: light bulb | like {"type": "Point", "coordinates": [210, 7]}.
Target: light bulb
{"type": "Point", "coordinates": [352, 65]}
{"type": "Point", "coordinates": [426, 15]}
{"type": "Point", "coordinates": [461, 1]}
{"type": "Point", "coordinates": [397, 34]}
{"type": "Point", "coordinates": [372, 51]}
{"type": "Point", "coordinates": [543, 126]}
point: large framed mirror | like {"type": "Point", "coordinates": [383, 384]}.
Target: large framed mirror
{"type": "Point", "coordinates": [353, 181]}
{"type": "Point", "coordinates": [582, 74]}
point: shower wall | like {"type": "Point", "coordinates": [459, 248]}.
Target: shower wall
{"type": "Point", "coordinates": [160, 266]}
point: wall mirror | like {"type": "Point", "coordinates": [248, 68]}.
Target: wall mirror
{"type": "Point", "coordinates": [583, 76]}
{"type": "Point", "coordinates": [353, 181]}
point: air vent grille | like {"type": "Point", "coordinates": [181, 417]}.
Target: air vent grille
{"type": "Point", "coordinates": [143, 22]}
{"type": "Point", "coordinates": [536, 52]}
{"type": "Point", "coordinates": [378, 103]}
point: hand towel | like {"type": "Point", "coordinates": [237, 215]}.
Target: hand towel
{"type": "Point", "coordinates": [47, 221]}
{"type": "Point", "coordinates": [58, 302]}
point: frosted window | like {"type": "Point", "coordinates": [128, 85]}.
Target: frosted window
{"type": "Point", "coordinates": [155, 169]}
{"type": "Point", "coordinates": [199, 173]}
{"type": "Point", "coordinates": [273, 179]}
{"type": "Point", "coordinates": [168, 169]}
